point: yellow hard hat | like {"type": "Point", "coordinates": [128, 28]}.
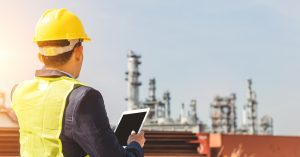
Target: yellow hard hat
{"type": "Point", "coordinates": [59, 24]}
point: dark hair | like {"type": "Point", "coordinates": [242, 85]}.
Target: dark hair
{"type": "Point", "coordinates": [60, 59]}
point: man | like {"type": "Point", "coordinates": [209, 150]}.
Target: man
{"type": "Point", "coordinates": [58, 115]}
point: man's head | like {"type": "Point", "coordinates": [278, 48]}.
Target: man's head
{"type": "Point", "coordinates": [70, 60]}
{"type": "Point", "coordinates": [59, 35]}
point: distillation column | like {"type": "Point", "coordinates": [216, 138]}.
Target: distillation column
{"type": "Point", "coordinates": [133, 80]}
{"type": "Point", "coordinates": [193, 114]}
{"type": "Point", "coordinates": [250, 111]}
{"type": "Point", "coordinates": [183, 118]}
{"type": "Point", "coordinates": [152, 89]}
{"type": "Point", "coordinates": [167, 99]}
{"type": "Point", "coordinates": [232, 125]}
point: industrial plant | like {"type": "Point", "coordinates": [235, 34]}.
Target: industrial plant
{"type": "Point", "coordinates": [185, 135]}
{"type": "Point", "coordinates": [223, 109]}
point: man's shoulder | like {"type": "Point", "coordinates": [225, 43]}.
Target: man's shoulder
{"type": "Point", "coordinates": [81, 96]}
{"type": "Point", "coordinates": [81, 91]}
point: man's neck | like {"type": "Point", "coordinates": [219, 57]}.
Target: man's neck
{"type": "Point", "coordinates": [64, 70]}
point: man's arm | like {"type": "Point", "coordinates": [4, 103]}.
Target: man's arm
{"type": "Point", "coordinates": [91, 130]}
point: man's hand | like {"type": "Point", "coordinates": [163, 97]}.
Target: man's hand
{"type": "Point", "coordinates": [139, 138]}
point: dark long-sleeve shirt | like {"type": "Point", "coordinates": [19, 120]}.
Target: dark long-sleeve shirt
{"type": "Point", "coordinates": [86, 128]}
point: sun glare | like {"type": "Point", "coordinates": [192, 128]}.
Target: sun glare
{"type": "Point", "coordinates": [3, 56]}
{"type": "Point", "coordinates": [5, 59]}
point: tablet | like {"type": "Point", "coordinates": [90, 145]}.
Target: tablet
{"type": "Point", "coordinates": [130, 120]}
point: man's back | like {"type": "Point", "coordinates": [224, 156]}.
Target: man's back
{"type": "Point", "coordinates": [85, 126]}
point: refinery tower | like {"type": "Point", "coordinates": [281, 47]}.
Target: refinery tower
{"type": "Point", "coordinates": [132, 78]}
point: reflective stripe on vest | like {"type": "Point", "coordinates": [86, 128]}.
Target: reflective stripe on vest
{"type": "Point", "coordinates": [39, 105]}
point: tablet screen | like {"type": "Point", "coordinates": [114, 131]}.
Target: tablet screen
{"type": "Point", "coordinates": [129, 122]}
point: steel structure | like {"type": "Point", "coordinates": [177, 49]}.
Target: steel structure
{"type": "Point", "coordinates": [266, 125]}
{"type": "Point", "coordinates": [223, 114]}
{"type": "Point", "coordinates": [157, 107]}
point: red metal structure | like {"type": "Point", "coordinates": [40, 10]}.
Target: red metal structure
{"type": "Point", "coordinates": [187, 144]}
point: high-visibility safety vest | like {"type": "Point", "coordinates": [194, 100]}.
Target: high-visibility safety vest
{"type": "Point", "coordinates": [39, 105]}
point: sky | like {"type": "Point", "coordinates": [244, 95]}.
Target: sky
{"type": "Point", "coordinates": [195, 49]}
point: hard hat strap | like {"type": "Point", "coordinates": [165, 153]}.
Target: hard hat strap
{"type": "Point", "coordinates": [56, 50]}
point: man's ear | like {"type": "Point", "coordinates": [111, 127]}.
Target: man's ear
{"type": "Point", "coordinates": [78, 53]}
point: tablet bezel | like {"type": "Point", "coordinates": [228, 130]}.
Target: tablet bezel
{"type": "Point", "coordinates": [132, 112]}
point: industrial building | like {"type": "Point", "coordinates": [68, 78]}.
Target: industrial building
{"type": "Point", "coordinates": [223, 109]}
{"type": "Point", "coordinates": [159, 117]}
{"type": "Point", "coordinates": [223, 114]}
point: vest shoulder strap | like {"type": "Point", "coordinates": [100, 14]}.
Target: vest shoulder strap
{"type": "Point", "coordinates": [74, 100]}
